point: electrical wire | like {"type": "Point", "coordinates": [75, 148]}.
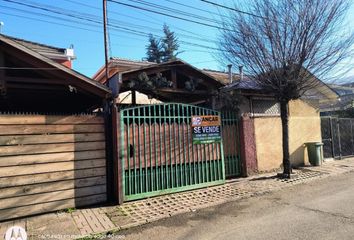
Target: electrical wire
{"type": "Point", "coordinates": [175, 11]}
{"type": "Point", "coordinates": [98, 23]}
{"type": "Point", "coordinates": [171, 16]}
{"type": "Point", "coordinates": [196, 8]}
{"type": "Point", "coordinates": [237, 10]}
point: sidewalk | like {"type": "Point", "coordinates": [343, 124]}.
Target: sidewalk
{"type": "Point", "coordinates": [103, 220]}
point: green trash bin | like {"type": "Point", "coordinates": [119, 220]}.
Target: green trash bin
{"type": "Point", "coordinates": [314, 150]}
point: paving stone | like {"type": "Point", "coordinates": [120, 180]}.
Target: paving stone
{"type": "Point", "coordinates": [52, 226]}
{"type": "Point", "coordinates": [94, 220]}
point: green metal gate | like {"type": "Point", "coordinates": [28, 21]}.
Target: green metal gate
{"type": "Point", "coordinates": [231, 143]}
{"type": "Point", "coordinates": [158, 155]}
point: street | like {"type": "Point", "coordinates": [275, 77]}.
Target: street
{"type": "Point", "coordinates": [321, 209]}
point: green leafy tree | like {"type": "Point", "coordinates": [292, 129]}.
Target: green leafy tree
{"type": "Point", "coordinates": [163, 49]}
{"type": "Point", "coordinates": [154, 51]}
{"type": "Point", "coordinates": [169, 44]}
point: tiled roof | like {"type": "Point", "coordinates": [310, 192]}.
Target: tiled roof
{"type": "Point", "coordinates": [245, 84]}
{"type": "Point", "coordinates": [223, 77]}
{"type": "Point", "coordinates": [38, 47]}
{"type": "Point", "coordinates": [138, 63]}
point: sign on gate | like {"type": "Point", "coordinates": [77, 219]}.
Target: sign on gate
{"type": "Point", "coordinates": [206, 129]}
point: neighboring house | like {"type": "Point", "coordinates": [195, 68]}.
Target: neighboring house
{"type": "Point", "coordinates": [116, 65]}
{"type": "Point", "coordinates": [42, 82]}
{"type": "Point", "coordinates": [264, 113]}
{"type": "Point", "coordinates": [64, 56]}
{"type": "Point", "coordinates": [53, 152]}
{"type": "Point", "coordinates": [187, 84]}
{"type": "Point", "coordinates": [157, 147]}
{"type": "Point", "coordinates": [260, 107]}
{"type": "Point", "coordinates": [344, 107]}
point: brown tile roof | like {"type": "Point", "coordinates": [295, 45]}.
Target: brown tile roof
{"type": "Point", "coordinates": [222, 77]}
{"type": "Point", "coordinates": [132, 62]}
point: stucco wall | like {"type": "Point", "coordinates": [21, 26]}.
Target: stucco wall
{"type": "Point", "coordinates": [304, 126]}
{"type": "Point", "coordinates": [268, 142]}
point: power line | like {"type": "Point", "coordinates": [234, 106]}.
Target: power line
{"type": "Point", "coordinates": [74, 27]}
{"type": "Point", "coordinates": [237, 10]}
{"type": "Point", "coordinates": [55, 23]}
{"type": "Point", "coordinates": [174, 11]}
{"type": "Point", "coordinates": [171, 16]}
{"type": "Point", "coordinates": [196, 8]}
{"type": "Point", "coordinates": [94, 19]}
{"type": "Point", "coordinates": [41, 14]}
{"type": "Point", "coordinates": [128, 31]}
{"type": "Point", "coordinates": [95, 23]}
{"type": "Point", "coordinates": [156, 22]}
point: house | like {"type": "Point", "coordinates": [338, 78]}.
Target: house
{"type": "Point", "coordinates": [64, 56]}
{"type": "Point", "coordinates": [261, 130]}
{"type": "Point", "coordinates": [187, 84]}
{"type": "Point", "coordinates": [251, 136]}
{"type": "Point", "coordinates": [344, 106]}
{"type": "Point", "coordinates": [159, 153]}
{"type": "Point", "coordinates": [262, 113]}
{"type": "Point", "coordinates": [31, 81]}
{"type": "Point", "coordinates": [53, 151]}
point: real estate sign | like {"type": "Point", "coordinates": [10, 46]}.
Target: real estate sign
{"type": "Point", "coordinates": [206, 129]}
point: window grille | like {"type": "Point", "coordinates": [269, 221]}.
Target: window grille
{"type": "Point", "coordinates": [265, 107]}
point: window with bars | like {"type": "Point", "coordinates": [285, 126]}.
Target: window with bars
{"type": "Point", "coordinates": [265, 107]}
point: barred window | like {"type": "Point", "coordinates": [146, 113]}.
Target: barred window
{"type": "Point", "coordinates": [265, 107]}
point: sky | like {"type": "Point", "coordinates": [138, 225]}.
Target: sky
{"type": "Point", "coordinates": [63, 23]}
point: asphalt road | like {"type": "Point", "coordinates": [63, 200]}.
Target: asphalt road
{"type": "Point", "coordinates": [322, 209]}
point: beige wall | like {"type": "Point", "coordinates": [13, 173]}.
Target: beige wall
{"type": "Point", "coordinates": [268, 142]}
{"type": "Point", "coordinates": [304, 126]}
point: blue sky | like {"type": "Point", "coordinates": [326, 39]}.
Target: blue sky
{"type": "Point", "coordinates": [60, 30]}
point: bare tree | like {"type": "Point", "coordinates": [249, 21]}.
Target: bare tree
{"type": "Point", "coordinates": [283, 44]}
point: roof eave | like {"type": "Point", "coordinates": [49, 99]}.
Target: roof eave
{"type": "Point", "coordinates": [92, 85]}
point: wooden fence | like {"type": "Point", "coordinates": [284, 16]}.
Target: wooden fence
{"type": "Point", "coordinates": [48, 163]}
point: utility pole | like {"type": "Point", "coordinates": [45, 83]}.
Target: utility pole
{"type": "Point", "coordinates": [105, 37]}
{"type": "Point", "coordinates": [114, 165]}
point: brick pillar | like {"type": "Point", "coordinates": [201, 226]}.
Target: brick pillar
{"type": "Point", "coordinates": [248, 146]}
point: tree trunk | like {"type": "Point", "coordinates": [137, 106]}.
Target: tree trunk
{"type": "Point", "coordinates": [285, 132]}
